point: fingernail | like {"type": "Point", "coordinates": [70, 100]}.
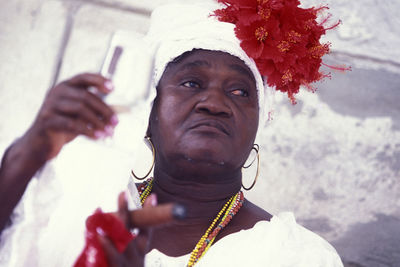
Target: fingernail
{"type": "Point", "coordinates": [109, 131]}
{"type": "Point", "coordinates": [100, 231]}
{"type": "Point", "coordinates": [99, 134]}
{"type": "Point", "coordinates": [123, 197]}
{"type": "Point", "coordinates": [153, 200]}
{"type": "Point", "coordinates": [109, 85]}
{"type": "Point", "coordinates": [98, 210]}
{"type": "Point", "coordinates": [114, 120]}
{"type": "Point", "coordinates": [179, 211]}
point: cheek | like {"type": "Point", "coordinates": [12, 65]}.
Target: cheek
{"type": "Point", "coordinates": [247, 133]}
{"type": "Point", "coordinates": [249, 123]}
{"type": "Point", "coordinates": [168, 117]}
{"type": "Point", "coordinates": [169, 112]}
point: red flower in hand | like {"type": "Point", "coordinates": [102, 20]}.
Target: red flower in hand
{"type": "Point", "coordinates": [93, 254]}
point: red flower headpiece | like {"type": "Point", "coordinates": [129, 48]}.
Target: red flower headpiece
{"type": "Point", "coordinates": [282, 39]}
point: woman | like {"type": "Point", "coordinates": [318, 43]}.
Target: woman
{"type": "Point", "coordinates": [208, 100]}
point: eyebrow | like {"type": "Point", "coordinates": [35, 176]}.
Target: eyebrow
{"type": "Point", "coordinates": [202, 63]}
{"type": "Point", "coordinates": [242, 70]}
{"type": "Point", "coordinates": [195, 64]}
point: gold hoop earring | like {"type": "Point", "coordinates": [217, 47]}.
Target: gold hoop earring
{"type": "Point", "coordinates": [148, 139]}
{"type": "Point", "coordinates": [256, 148]}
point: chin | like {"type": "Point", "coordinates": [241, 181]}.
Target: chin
{"type": "Point", "coordinates": [200, 165]}
{"type": "Point", "coordinates": [205, 156]}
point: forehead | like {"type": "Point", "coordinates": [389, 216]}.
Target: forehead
{"type": "Point", "coordinates": [206, 58]}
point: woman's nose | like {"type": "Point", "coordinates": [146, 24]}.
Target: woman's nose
{"type": "Point", "coordinates": [213, 101]}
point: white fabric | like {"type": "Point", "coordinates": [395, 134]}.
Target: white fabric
{"type": "Point", "coordinates": [178, 28]}
{"type": "Point", "coordinates": [49, 221]}
{"type": "Point", "coordinates": [49, 227]}
{"type": "Point", "coordinates": [278, 243]}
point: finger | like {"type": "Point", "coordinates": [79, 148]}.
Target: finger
{"type": "Point", "coordinates": [151, 216]}
{"type": "Point", "coordinates": [81, 111]}
{"type": "Point", "coordinates": [137, 248]}
{"type": "Point", "coordinates": [158, 215]}
{"type": "Point", "coordinates": [114, 258]}
{"type": "Point", "coordinates": [86, 80]}
{"type": "Point", "coordinates": [123, 212]}
{"type": "Point", "coordinates": [62, 123]}
{"type": "Point", "coordinates": [151, 201]}
{"type": "Point", "coordinates": [93, 102]}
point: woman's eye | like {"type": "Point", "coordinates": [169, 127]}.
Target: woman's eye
{"type": "Point", "coordinates": [191, 84]}
{"type": "Point", "coordinates": [240, 92]}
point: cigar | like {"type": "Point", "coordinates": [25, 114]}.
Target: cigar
{"type": "Point", "coordinates": [157, 215]}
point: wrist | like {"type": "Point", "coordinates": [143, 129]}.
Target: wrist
{"type": "Point", "coordinates": [34, 145]}
{"type": "Point", "coordinates": [25, 156]}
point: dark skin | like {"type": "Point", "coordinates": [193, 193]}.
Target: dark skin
{"type": "Point", "coordinates": [216, 122]}
{"type": "Point", "coordinates": [203, 126]}
{"type": "Point", "coordinates": [68, 110]}
{"type": "Point", "coordinates": [202, 146]}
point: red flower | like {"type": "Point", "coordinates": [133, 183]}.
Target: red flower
{"type": "Point", "coordinates": [282, 38]}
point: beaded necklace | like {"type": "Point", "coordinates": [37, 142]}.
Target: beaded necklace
{"type": "Point", "coordinates": [227, 212]}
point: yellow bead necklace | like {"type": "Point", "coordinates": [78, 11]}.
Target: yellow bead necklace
{"type": "Point", "coordinates": [227, 212]}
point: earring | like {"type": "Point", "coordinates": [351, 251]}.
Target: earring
{"type": "Point", "coordinates": [154, 159]}
{"type": "Point", "coordinates": [256, 148]}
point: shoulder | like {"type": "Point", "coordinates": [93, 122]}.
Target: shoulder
{"type": "Point", "coordinates": [248, 215]}
{"type": "Point", "coordinates": [277, 242]}
{"type": "Point", "coordinates": [296, 244]}
{"type": "Point", "coordinates": [252, 213]}
{"type": "Point", "coordinates": [280, 241]}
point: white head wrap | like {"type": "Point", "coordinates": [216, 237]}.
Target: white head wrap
{"type": "Point", "coordinates": [178, 28]}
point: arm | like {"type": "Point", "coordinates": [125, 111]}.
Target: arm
{"type": "Point", "coordinates": [69, 110]}
{"type": "Point", "coordinates": [20, 162]}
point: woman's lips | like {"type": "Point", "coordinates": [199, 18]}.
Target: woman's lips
{"type": "Point", "coordinates": [210, 126]}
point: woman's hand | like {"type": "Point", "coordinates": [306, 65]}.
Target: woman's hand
{"type": "Point", "coordinates": [71, 109]}
{"type": "Point", "coordinates": [137, 248]}
{"type": "Point", "coordinates": [144, 219]}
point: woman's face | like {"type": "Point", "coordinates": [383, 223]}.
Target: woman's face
{"type": "Point", "coordinates": [205, 117]}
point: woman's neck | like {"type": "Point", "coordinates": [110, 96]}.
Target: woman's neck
{"type": "Point", "coordinates": [202, 200]}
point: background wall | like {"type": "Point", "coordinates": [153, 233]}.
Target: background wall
{"type": "Point", "coordinates": [333, 159]}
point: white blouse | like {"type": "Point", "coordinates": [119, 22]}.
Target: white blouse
{"type": "Point", "coordinates": [280, 242]}
{"type": "Point", "coordinates": [48, 224]}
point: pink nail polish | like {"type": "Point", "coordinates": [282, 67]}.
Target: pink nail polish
{"type": "Point", "coordinates": [153, 200]}
{"type": "Point", "coordinates": [109, 85]}
{"type": "Point", "coordinates": [98, 210]}
{"type": "Point", "coordinates": [114, 120]}
{"type": "Point", "coordinates": [99, 134]}
{"type": "Point", "coordinates": [109, 130]}
{"type": "Point", "coordinates": [100, 231]}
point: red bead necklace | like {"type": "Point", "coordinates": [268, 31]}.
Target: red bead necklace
{"type": "Point", "coordinates": [224, 216]}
